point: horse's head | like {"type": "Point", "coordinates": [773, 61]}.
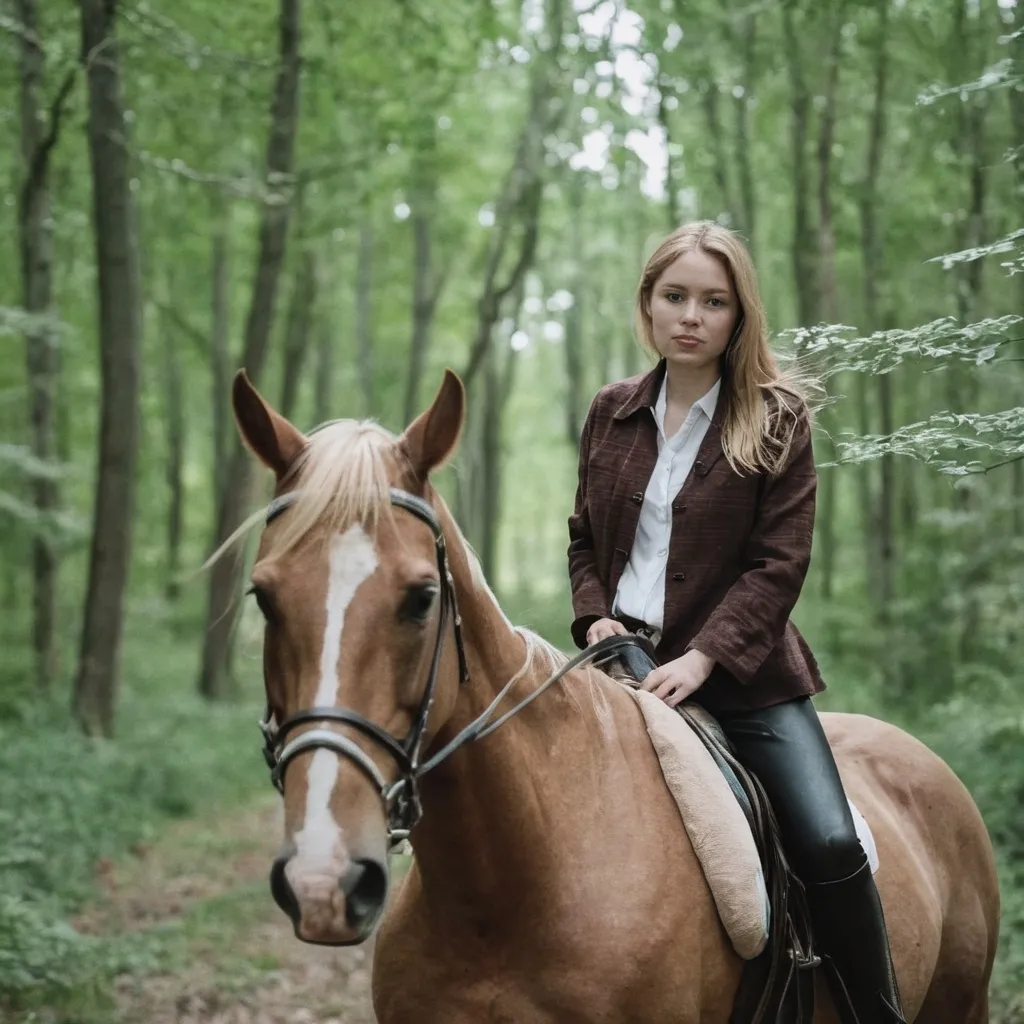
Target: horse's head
{"type": "Point", "coordinates": [350, 579]}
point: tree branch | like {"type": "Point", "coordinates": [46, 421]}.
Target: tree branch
{"type": "Point", "coordinates": [16, 28]}
{"type": "Point", "coordinates": [183, 324]}
{"type": "Point", "coordinates": [39, 164]}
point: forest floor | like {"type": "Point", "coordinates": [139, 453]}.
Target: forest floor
{"type": "Point", "coordinates": [225, 953]}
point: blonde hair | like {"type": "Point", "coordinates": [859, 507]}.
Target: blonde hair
{"type": "Point", "coordinates": [764, 401]}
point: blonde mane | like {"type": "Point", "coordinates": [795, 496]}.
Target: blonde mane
{"type": "Point", "coordinates": [343, 476]}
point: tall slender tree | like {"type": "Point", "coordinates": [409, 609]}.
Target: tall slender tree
{"type": "Point", "coordinates": [803, 249]}
{"type": "Point", "coordinates": [120, 335]}
{"type": "Point", "coordinates": [42, 342]}
{"type": "Point", "coordinates": [225, 577]}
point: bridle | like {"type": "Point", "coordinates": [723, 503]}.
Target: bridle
{"type": "Point", "coordinates": [401, 799]}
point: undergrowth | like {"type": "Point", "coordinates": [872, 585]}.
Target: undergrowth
{"type": "Point", "coordinates": [70, 803]}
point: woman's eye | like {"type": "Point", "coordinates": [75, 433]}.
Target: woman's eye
{"type": "Point", "coordinates": [673, 297]}
{"type": "Point", "coordinates": [418, 601]}
{"type": "Point", "coordinates": [715, 302]}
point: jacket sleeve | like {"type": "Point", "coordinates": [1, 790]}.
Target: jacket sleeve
{"type": "Point", "coordinates": [751, 618]}
{"type": "Point", "coordinates": [589, 599]}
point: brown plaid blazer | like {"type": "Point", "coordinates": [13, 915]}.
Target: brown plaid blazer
{"type": "Point", "coordinates": [737, 559]}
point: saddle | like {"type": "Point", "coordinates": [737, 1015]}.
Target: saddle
{"type": "Point", "coordinates": [778, 984]}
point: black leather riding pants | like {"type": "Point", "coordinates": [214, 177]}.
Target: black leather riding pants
{"type": "Point", "coordinates": [786, 748]}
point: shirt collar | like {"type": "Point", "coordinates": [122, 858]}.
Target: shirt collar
{"type": "Point", "coordinates": [706, 403]}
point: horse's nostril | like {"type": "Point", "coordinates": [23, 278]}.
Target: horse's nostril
{"type": "Point", "coordinates": [281, 888]}
{"type": "Point", "coordinates": [365, 885]}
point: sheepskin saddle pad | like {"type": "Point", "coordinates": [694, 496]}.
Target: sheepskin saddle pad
{"type": "Point", "coordinates": [715, 822]}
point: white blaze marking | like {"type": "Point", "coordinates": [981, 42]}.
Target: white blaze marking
{"type": "Point", "coordinates": [352, 560]}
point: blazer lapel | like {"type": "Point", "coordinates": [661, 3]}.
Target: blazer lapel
{"type": "Point", "coordinates": [644, 394]}
{"type": "Point", "coordinates": [710, 450]}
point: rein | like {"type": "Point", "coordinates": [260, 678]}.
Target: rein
{"type": "Point", "coordinates": [401, 799]}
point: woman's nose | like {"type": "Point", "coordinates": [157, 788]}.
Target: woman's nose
{"type": "Point", "coordinates": [689, 314]}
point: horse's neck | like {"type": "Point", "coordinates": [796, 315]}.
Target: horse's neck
{"type": "Point", "coordinates": [508, 810]}
{"type": "Point", "coordinates": [503, 811]}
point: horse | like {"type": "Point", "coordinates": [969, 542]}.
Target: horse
{"type": "Point", "coordinates": [552, 880]}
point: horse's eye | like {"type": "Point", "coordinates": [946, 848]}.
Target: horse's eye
{"type": "Point", "coordinates": [418, 601]}
{"type": "Point", "coordinates": [262, 602]}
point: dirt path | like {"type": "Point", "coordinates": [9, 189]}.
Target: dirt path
{"type": "Point", "coordinates": [225, 953]}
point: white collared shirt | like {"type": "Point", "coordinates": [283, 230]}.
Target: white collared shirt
{"type": "Point", "coordinates": [641, 590]}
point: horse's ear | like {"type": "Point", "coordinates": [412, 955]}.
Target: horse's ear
{"type": "Point", "coordinates": [274, 441]}
{"type": "Point", "coordinates": [432, 437]}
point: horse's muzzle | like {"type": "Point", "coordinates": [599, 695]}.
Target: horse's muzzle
{"type": "Point", "coordinates": [331, 912]}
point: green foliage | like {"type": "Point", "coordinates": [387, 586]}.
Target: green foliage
{"type": "Point", "coordinates": [407, 108]}
{"type": "Point", "coordinates": [984, 749]}
{"type": "Point", "coordinates": [70, 804]}
{"type": "Point", "coordinates": [940, 441]}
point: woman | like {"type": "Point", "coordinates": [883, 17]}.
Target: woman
{"type": "Point", "coordinates": [693, 525]}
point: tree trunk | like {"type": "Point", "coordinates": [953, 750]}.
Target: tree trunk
{"type": "Point", "coordinates": [499, 376]}
{"type": "Point", "coordinates": [35, 235]}
{"type": "Point", "coordinates": [825, 524]}
{"type": "Point", "coordinates": [324, 370]}
{"type": "Point", "coordinates": [877, 524]}
{"type": "Point", "coordinates": [744, 168]}
{"type": "Point", "coordinates": [1016, 100]}
{"type": "Point", "coordinates": [886, 508]}
{"type": "Point", "coordinates": [364, 316]}
{"type": "Point", "coordinates": [522, 192]}
{"type": "Point", "coordinates": [715, 138]}
{"type": "Point", "coordinates": [804, 253]}
{"type": "Point", "coordinates": [829, 291]}
{"type": "Point", "coordinates": [866, 501]}
{"type": "Point", "coordinates": [671, 186]}
{"type": "Point", "coordinates": [120, 333]}
{"type": "Point", "coordinates": [299, 324]}
{"type": "Point", "coordinates": [490, 465]}
{"type": "Point", "coordinates": [220, 332]}
{"type": "Point", "coordinates": [971, 144]}
{"type": "Point", "coordinates": [225, 576]}
{"type": "Point", "coordinates": [573, 344]}
{"type": "Point", "coordinates": [174, 413]}
{"type": "Point", "coordinates": [427, 282]}
{"type": "Point", "coordinates": [826, 141]}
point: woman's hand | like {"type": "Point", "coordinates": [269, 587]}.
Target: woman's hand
{"type": "Point", "coordinates": [604, 628]}
{"type": "Point", "coordinates": [674, 681]}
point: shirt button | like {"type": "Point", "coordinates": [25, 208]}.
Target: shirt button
{"type": "Point", "coordinates": [663, 552]}
{"type": "Point", "coordinates": [679, 576]}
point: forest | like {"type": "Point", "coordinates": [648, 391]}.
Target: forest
{"type": "Point", "coordinates": [348, 198]}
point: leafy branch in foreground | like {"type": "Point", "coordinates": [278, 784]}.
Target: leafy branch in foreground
{"type": "Point", "coordinates": [15, 320]}
{"type": "Point", "coordinates": [20, 458]}
{"type": "Point", "coordinates": [838, 348]}
{"type": "Point", "coordinates": [1013, 242]}
{"type": "Point", "coordinates": [942, 439]}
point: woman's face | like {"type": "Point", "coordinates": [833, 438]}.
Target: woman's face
{"type": "Point", "coordinates": [694, 311]}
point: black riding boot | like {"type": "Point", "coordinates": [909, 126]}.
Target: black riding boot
{"type": "Point", "coordinates": [850, 929]}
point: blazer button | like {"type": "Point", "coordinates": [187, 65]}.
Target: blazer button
{"type": "Point", "coordinates": [678, 508]}
{"type": "Point", "coordinates": [637, 498]}
{"type": "Point", "coordinates": [699, 468]}
{"type": "Point", "coordinates": [679, 576]}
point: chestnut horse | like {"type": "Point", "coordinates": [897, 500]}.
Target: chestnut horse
{"type": "Point", "coordinates": [552, 881]}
